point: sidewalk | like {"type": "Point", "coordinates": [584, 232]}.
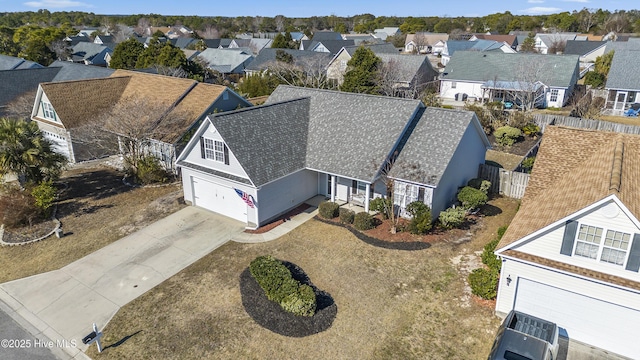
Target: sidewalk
{"type": "Point", "coordinates": [61, 305]}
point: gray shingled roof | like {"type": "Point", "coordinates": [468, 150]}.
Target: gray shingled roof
{"type": "Point", "coordinates": [73, 71]}
{"type": "Point", "coordinates": [269, 141]}
{"type": "Point", "coordinates": [87, 50]}
{"type": "Point", "coordinates": [478, 45]}
{"type": "Point", "coordinates": [350, 134]}
{"type": "Point", "coordinates": [13, 63]}
{"type": "Point", "coordinates": [226, 60]}
{"type": "Point", "coordinates": [385, 48]}
{"type": "Point", "coordinates": [14, 83]}
{"type": "Point", "coordinates": [326, 35]}
{"type": "Point", "coordinates": [557, 70]}
{"type": "Point", "coordinates": [332, 45]}
{"type": "Point", "coordinates": [268, 56]}
{"type": "Point", "coordinates": [579, 47]}
{"type": "Point", "coordinates": [431, 146]}
{"type": "Point", "coordinates": [622, 45]}
{"type": "Point", "coordinates": [408, 65]}
{"type": "Point", "coordinates": [625, 70]}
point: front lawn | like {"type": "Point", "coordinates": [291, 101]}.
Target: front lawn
{"type": "Point", "coordinates": [390, 303]}
{"type": "Point", "coordinates": [95, 209]}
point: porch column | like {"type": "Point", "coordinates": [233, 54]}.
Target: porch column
{"type": "Point", "coordinates": [333, 188]}
{"type": "Point", "coordinates": [367, 193]}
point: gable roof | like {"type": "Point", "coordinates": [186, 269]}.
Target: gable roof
{"type": "Point", "coordinates": [326, 35]}
{"type": "Point", "coordinates": [511, 40]}
{"type": "Point", "coordinates": [349, 133]}
{"type": "Point", "coordinates": [407, 65]}
{"type": "Point", "coordinates": [429, 149]}
{"type": "Point", "coordinates": [384, 48]}
{"type": "Point", "coordinates": [69, 98]}
{"type": "Point", "coordinates": [225, 59]}
{"type": "Point", "coordinates": [268, 55]}
{"type": "Point", "coordinates": [68, 70]}
{"type": "Point", "coordinates": [279, 129]}
{"type": "Point", "coordinates": [332, 45]}
{"type": "Point", "coordinates": [477, 45]}
{"type": "Point", "coordinates": [549, 39]}
{"type": "Point", "coordinates": [14, 83]}
{"type": "Point", "coordinates": [88, 50]}
{"type": "Point", "coordinates": [429, 38]}
{"type": "Point", "coordinates": [13, 63]}
{"type": "Point", "coordinates": [624, 73]}
{"type": "Point", "coordinates": [556, 70]}
{"type": "Point", "coordinates": [580, 47]}
{"type": "Point", "coordinates": [567, 154]}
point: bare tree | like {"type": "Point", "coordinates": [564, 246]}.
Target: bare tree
{"type": "Point", "coordinates": [420, 42]}
{"type": "Point", "coordinates": [144, 27]}
{"type": "Point", "coordinates": [121, 33]}
{"type": "Point", "coordinates": [390, 78]}
{"type": "Point", "coordinates": [587, 19]}
{"type": "Point", "coordinates": [616, 22]}
{"type": "Point", "coordinates": [61, 48]}
{"type": "Point", "coordinates": [308, 71]}
{"type": "Point", "coordinates": [279, 19]}
{"type": "Point", "coordinates": [20, 107]}
{"type": "Point", "coordinates": [210, 32]}
{"type": "Point", "coordinates": [528, 87]}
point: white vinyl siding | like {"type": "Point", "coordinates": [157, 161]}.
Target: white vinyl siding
{"type": "Point", "coordinates": [554, 95]}
{"type": "Point", "coordinates": [612, 249]}
{"type": "Point", "coordinates": [548, 244]}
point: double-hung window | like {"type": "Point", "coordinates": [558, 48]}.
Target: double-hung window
{"type": "Point", "coordinates": [554, 95]}
{"type": "Point", "coordinates": [608, 246]}
{"type": "Point", "coordinates": [47, 111]}
{"type": "Point", "coordinates": [214, 150]}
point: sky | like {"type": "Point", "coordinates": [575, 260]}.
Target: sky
{"type": "Point", "coordinates": [303, 8]}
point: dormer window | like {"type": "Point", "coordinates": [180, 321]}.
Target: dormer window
{"type": "Point", "coordinates": [214, 150]}
{"type": "Point", "coordinates": [47, 111]}
{"type": "Point", "coordinates": [612, 249]}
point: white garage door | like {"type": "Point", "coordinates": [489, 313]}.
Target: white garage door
{"type": "Point", "coordinates": [218, 198]}
{"type": "Point", "coordinates": [592, 321]}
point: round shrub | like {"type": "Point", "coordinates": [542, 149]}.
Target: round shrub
{"type": "Point", "coordinates": [489, 258]}
{"type": "Point", "coordinates": [507, 135]}
{"type": "Point", "coordinates": [150, 171]}
{"type": "Point", "coordinates": [472, 198]}
{"type": "Point", "coordinates": [452, 217]}
{"type": "Point", "coordinates": [363, 221]}
{"type": "Point", "coordinates": [328, 209]}
{"type": "Point", "coordinates": [301, 302]}
{"type": "Point", "coordinates": [484, 283]}
{"type": "Point", "coordinates": [421, 217]}
{"type": "Point", "coordinates": [380, 205]}
{"type": "Point", "coordinates": [346, 216]}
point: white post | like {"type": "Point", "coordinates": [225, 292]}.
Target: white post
{"type": "Point", "coordinates": [367, 193]}
{"type": "Point", "coordinates": [98, 336]}
{"type": "Point", "coordinates": [333, 188]}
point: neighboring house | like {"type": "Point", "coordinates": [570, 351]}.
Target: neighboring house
{"type": "Point", "coordinates": [64, 110]}
{"type": "Point", "coordinates": [255, 44]}
{"type": "Point", "coordinates": [182, 42]}
{"type": "Point", "coordinates": [511, 40]}
{"type": "Point", "coordinates": [338, 65]}
{"type": "Point", "coordinates": [91, 54]}
{"type": "Point", "coordinates": [623, 81]}
{"type": "Point", "coordinates": [423, 42]}
{"type": "Point", "coordinates": [362, 39]}
{"type": "Point", "coordinates": [20, 82]}
{"type": "Point", "coordinates": [326, 35]}
{"type": "Point", "coordinates": [571, 255]}
{"type": "Point", "coordinates": [541, 81]}
{"type": "Point", "coordinates": [587, 50]}
{"type": "Point", "coordinates": [104, 40]}
{"type": "Point", "coordinates": [305, 59]}
{"type": "Point", "coordinates": [409, 73]}
{"type": "Point", "coordinates": [546, 42]}
{"type": "Point", "coordinates": [327, 46]}
{"type": "Point", "coordinates": [87, 31]}
{"type": "Point", "coordinates": [255, 164]}
{"type": "Point", "coordinates": [73, 71]}
{"type": "Point", "coordinates": [451, 46]}
{"type": "Point", "coordinates": [226, 61]}
{"type": "Point", "coordinates": [385, 32]}
{"type": "Point", "coordinates": [14, 63]}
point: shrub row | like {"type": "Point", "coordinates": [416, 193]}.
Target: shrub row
{"type": "Point", "coordinates": [328, 209]}
{"type": "Point", "coordinates": [279, 286]}
{"type": "Point", "coordinates": [420, 218]}
{"type": "Point", "coordinates": [347, 216]}
{"type": "Point", "coordinates": [484, 282]}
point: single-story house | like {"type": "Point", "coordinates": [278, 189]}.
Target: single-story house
{"type": "Point", "coordinates": [452, 46]}
{"type": "Point", "coordinates": [257, 163]}
{"type": "Point", "coordinates": [385, 32]}
{"type": "Point", "coordinates": [623, 81]}
{"type": "Point", "coordinates": [337, 67]}
{"type": "Point", "coordinates": [528, 79]}
{"type": "Point", "coordinates": [587, 50]}
{"type": "Point", "coordinates": [226, 61]}
{"type": "Point", "coordinates": [571, 255]}
{"type": "Point", "coordinates": [66, 111]}
{"type": "Point", "coordinates": [423, 42]}
{"type": "Point", "coordinates": [327, 46]}
{"type": "Point", "coordinates": [255, 44]}
{"type": "Point", "coordinates": [407, 74]}
{"type": "Point", "coordinates": [553, 42]}
{"type": "Point", "coordinates": [511, 40]}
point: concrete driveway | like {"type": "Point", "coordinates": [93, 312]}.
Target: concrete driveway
{"type": "Point", "coordinates": [62, 305]}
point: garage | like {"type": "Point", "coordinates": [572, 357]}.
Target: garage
{"type": "Point", "coordinates": [219, 199]}
{"type": "Point", "coordinates": [588, 320]}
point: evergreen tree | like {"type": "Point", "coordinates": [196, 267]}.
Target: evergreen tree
{"type": "Point", "coordinates": [126, 54]}
{"type": "Point", "coordinates": [529, 44]}
{"type": "Point", "coordinates": [362, 73]}
{"type": "Point", "coordinates": [284, 41]}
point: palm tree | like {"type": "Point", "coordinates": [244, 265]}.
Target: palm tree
{"type": "Point", "coordinates": [26, 153]}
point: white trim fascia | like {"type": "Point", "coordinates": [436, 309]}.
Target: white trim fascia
{"type": "Point", "coordinates": [193, 140]}
{"type": "Point", "coordinates": [413, 182]}
{"type": "Point", "coordinates": [584, 210]}
{"type": "Point", "coordinates": [582, 277]}
{"type": "Point", "coordinates": [209, 175]}
{"type": "Point", "coordinates": [338, 175]}
{"type": "Point", "coordinates": [34, 110]}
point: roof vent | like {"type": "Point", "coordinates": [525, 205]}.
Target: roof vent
{"type": "Point", "coordinates": [616, 167]}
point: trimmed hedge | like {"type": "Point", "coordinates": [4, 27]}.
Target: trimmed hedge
{"type": "Point", "coordinates": [489, 258]}
{"type": "Point", "coordinates": [279, 286]}
{"type": "Point", "coordinates": [363, 221]}
{"type": "Point", "coordinates": [484, 283]}
{"type": "Point", "coordinates": [507, 135]}
{"type": "Point", "coordinates": [472, 198]}
{"type": "Point", "coordinates": [421, 218]}
{"type": "Point", "coordinates": [452, 217]}
{"type": "Point", "coordinates": [328, 209]}
{"type": "Point", "coordinates": [347, 216]}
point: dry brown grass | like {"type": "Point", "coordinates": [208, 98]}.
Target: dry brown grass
{"type": "Point", "coordinates": [504, 159]}
{"type": "Point", "coordinates": [391, 303]}
{"type": "Point", "coordinates": [95, 210]}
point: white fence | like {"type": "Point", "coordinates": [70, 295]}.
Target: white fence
{"type": "Point", "coordinates": [505, 182]}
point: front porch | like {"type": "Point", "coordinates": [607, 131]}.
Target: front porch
{"type": "Point", "coordinates": [353, 206]}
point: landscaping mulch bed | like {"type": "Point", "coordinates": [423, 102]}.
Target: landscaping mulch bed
{"type": "Point", "coordinates": [281, 219]}
{"type": "Point", "coordinates": [28, 233]}
{"type": "Point", "coordinates": [270, 314]}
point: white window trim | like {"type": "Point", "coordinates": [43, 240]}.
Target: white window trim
{"type": "Point", "coordinates": [214, 150]}
{"type": "Point", "coordinates": [47, 111]}
{"type": "Point", "coordinates": [554, 93]}
{"type": "Point", "coordinates": [601, 246]}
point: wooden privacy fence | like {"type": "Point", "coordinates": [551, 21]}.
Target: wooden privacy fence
{"type": "Point", "coordinates": [504, 182]}
{"type": "Point", "coordinates": [542, 120]}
